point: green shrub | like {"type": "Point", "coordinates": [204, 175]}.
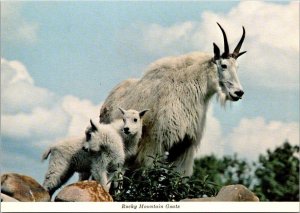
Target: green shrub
{"type": "Point", "coordinates": [278, 174]}
{"type": "Point", "coordinates": [273, 177]}
{"type": "Point", "coordinates": [160, 182]}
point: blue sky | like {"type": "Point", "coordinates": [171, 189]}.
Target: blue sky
{"type": "Point", "coordinates": [59, 60]}
{"type": "Point", "coordinates": [85, 41]}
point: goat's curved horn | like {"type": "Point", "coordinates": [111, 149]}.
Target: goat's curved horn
{"type": "Point", "coordinates": [236, 53]}
{"type": "Point", "coordinates": [226, 47]}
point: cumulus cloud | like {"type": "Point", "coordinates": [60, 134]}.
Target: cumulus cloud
{"type": "Point", "coordinates": [14, 27]}
{"type": "Point", "coordinates": [212, 142]}
{"type": "Point", "coordinates": [252, 136]}
{"type": "Point", "coordinates": [18, 91]}
{"type": "Point", "coordinates": [80, 112]}
{"type": "Point", "coordinates": [36, 114]}
{"type": "Point", "coordinates": [272, 40]}
{"type": "Point", "coordinates": [38, 124]}
{"type": "Point", "coordinates": [170, 38]}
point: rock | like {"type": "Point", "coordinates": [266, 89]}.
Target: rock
{"type": "Point", "coordinates": [236, 192]}
{"type": "Point", "coordinates": [84, 191]}
{"type": "Point", "coordinates": [6, 198]}
{"type": "Point", "coordinates": [23, 188]}
{"type": "Point", "coordinates": [203, 199]}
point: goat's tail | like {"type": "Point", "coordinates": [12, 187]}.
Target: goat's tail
{"type": "Point", "coordinates": [46, 153]}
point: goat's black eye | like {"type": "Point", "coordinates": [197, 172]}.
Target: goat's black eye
{"type": "Point", "coordinates": [123, 120]}
{"type": "Point", "coordinates": [135, 120]}
{"type": "Point", "coordinates": [88, 136]}
{"type": "Point", "coordinates": [224, 66]}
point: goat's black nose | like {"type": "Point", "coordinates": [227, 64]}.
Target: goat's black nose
{"type": "Point", "coordinates": [126, 130]}
{"type": "Point", "coordinates": [84, 149]}
{"type": "Point", "coordinates": [239, 93]}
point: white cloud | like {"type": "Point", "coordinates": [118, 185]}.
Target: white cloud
{"type": "Point", "coordinates": [272, 40]}
{"type": "Point", "coordinates": [212, 142]}
{"type": "Point", "coordinates": [40, 123]}
{"type": "Point", "coordinates": [253, 136]}
{"type": "Point", "coordinates": [166, 39]}
{"type": "Point", "coordinates": [18, 91]}
{"type": "Point", "coordinates": [16, 71]}
{"type": "Point", "coordinates": [80, 111]}
{"type": "Point", "coordinates": [36, 114]}
{"type": "Point", "coordinates": [14, 27]}
{"type": "Point", "coordinates": [277, 25]}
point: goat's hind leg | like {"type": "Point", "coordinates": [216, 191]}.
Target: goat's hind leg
{"type": "Point", "coordinates": [57, 175]}
{"type": "Point", "coordinates": [55, 180]}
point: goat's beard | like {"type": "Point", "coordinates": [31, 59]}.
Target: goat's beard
{"type": "Point", "coordinates": [221, 96]}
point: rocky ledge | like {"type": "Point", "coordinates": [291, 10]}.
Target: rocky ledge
{"type": "Point", "coordinates": [16, 187]}
{"type": "Point", "coordinates": [236, 192]}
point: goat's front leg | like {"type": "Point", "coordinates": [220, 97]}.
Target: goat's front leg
{"type": "Point", "coordinates": [100, 175]}
{"type": "Point", "coordinates": [84, 176]}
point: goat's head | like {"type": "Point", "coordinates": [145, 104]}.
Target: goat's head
{"type": "Point", "coordinates": [90, 144]}
{"type": "Point", "coordinates": [132, 121]}
{"type": "Point", "coordinates": [229, 84]}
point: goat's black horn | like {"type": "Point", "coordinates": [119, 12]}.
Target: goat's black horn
{"type": "Point", "coordinates": [226, 47]}
{"type": "Point", "coordinates": [236, 52]}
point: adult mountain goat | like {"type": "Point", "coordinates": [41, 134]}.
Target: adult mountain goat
{"type": "Point", "coordinates": [177, 90]}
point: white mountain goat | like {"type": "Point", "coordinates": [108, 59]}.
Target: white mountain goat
{"type": "Point", "coordinates": [110, 145]}
{"type": "Point", "coordinates": [105, 147]}
{"type": "Point", "coordinates": [177, 90]}
{"type": "Point", "coordinates": [131, 130]}
{"type": "Point", "coordinates": [68, 156]}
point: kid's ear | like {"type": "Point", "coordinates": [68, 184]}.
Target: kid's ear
{"type": "Point", "coordinates": [122, 110]}
{"type": "Point", "coordinates": [216, 53]}
{"type": "Point", "coordinates": [142, 113]}
{"type": "Point", "coordinates": [94, 128]}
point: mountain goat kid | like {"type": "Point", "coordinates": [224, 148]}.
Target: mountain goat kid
{"type": "Point", "coordinates": [67, 157]}
{"type": "Point", "coordinates": [117, 141]}
{"type": "Point", "coordinates": [110, 145]}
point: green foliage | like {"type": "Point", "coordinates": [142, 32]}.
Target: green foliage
{"type": "Point", "coordinates": [225, 171]}
{"type": "Point", "coordinates": [275, 177]}
{"type": "Point", "coordinates": [278, 174]}
{"type": "Point", "coordinates": [160, 182]}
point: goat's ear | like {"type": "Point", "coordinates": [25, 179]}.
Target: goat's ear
{"type": "Point", "coordinates": [94, 128]}
{"type": "Point", "coordinates": [142, 113]}
{"type": "Point", "coordinates": [122, 110]}
{"type": "Point", "coordinates": [216, 52]}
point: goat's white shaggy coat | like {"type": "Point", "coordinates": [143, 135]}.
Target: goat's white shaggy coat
{"type": "Point", "coordinates": [105, 152]}
{"type": "Point", "coordinates": [177, 90]}
{"type": "Point", "coordinates": [106, 149]}
{"type": "Point", "coordinates": [130, 130]}
{"type": "Point", "coordinates": [177, 94]}
{"type": "Point", "coordinates": [119, 139]}
{"type": "Point", "coordinates": [66, 158]}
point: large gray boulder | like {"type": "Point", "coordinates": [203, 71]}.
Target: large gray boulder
{"type": "Point", "coordinates": [83, 191]}
{"type": "Point", "coordinates": [23, 188]}
{"type": "Point", "coordinates": [236, 192]}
